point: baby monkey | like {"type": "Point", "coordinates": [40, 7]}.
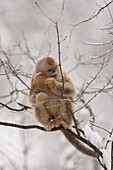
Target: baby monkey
{"type": "Point", "coordinates": [51, 101]}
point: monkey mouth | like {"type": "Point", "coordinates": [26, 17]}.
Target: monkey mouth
{"type": "Point", "coordinates": [54, 75]}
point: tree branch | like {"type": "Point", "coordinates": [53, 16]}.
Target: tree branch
{"type": "Point", "coordinates": [22, 126]}
{"type": "Point", "coordinates": [59, 56]}
{"type": "Point", "coordinates": [17, 110]}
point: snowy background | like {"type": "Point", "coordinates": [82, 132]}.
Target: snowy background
{"type": "Point", "coordinates": [22, 21]}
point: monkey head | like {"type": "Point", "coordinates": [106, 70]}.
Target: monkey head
{"type": "Point", "coordinates": [48, 67]}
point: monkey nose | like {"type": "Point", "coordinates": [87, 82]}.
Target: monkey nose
{"type": "Point", "coordinates": [54, 74]}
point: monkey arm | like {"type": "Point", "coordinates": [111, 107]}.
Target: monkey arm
{"type": "Point", "coordinates": [67, 89]}
{"type": "Point", "coordinates": [57, 87]}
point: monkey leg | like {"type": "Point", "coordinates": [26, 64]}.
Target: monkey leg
{"type": "Point", "coordinates": [67, 120]}
{"type": "Point", "coordinates": [43, 116]}
{"type": "Point", "coordinates": [65, 113]}
{"type": "Point", "coordinates": [57, 122]}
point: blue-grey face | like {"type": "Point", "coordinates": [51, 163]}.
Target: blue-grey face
{"type": "Point", "coordinates": [52, 72]}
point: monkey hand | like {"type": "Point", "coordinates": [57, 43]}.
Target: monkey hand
{"type": "Point", "coordinates": [50, 82]}
{"type": "Point", "coordinates": [41, 98]}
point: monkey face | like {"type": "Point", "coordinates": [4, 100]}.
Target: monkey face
{"type": "Point", "coordinates": [47, 67]}
{"type": "Point", "coordinates": [52, 72]}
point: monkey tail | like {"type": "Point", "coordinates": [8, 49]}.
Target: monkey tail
{"type": "Point", "coordinates": [71, 137]}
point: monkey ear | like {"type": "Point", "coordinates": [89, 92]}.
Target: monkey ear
{"type": "Point", "coordinates": [37, 74]}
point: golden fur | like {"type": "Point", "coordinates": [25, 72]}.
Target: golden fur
{"type": "Point", "coordinates": [50, 106]}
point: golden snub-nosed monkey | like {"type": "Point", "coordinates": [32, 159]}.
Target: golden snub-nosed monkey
{"type": "Point", "coordinates": [51, 108]}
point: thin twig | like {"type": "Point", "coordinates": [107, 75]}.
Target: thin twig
{"type": "Point", "coordinates": [59, 56]}
{"type": "Point", "coordinates": [36, 3]}
{"type": "Point", "coordinates": [94, 78]}
{"type": "Point", "coordinates": [92, 115]}
{"type": "Point", "coordinates": [109, 11]}
{"type": "Point", "coordinates": [98, 44]}
{"type": "Point", "coordinates": [61, 11]}
{"type": "Point", "coordinates": [101, 128]}
{"type": "Point", "coordinates": [102, 55]}
{"type": "Point", "coordinates": [92, 97]}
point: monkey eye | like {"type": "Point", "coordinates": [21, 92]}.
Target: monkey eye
{"type": "Point", "coordinates": [52, 70]}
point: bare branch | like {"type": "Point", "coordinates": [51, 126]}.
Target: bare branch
{"type": "Point", "coordinates": [98, 44]}
{"type": "Point", "coordinates": [17, 110]}
{"type": "Point", "coordinates": [75, 123]}
{"type": "Point", "coordinates": [102, 55]}
{"type": "Point", "coordinates": [92, 115]}
{"type": "Point", "coordinates": [101, 128]}
{"type": "Point", "coordinates": [22, 126]}
{"type": "Point", "coordinates": [109, 11]}
{"type": "Point", "coordinates": [61, 11]}
{"type": "Point", "coordinates": [59, 56]}
{"type": "Point", "coordinates": [44, 13]}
